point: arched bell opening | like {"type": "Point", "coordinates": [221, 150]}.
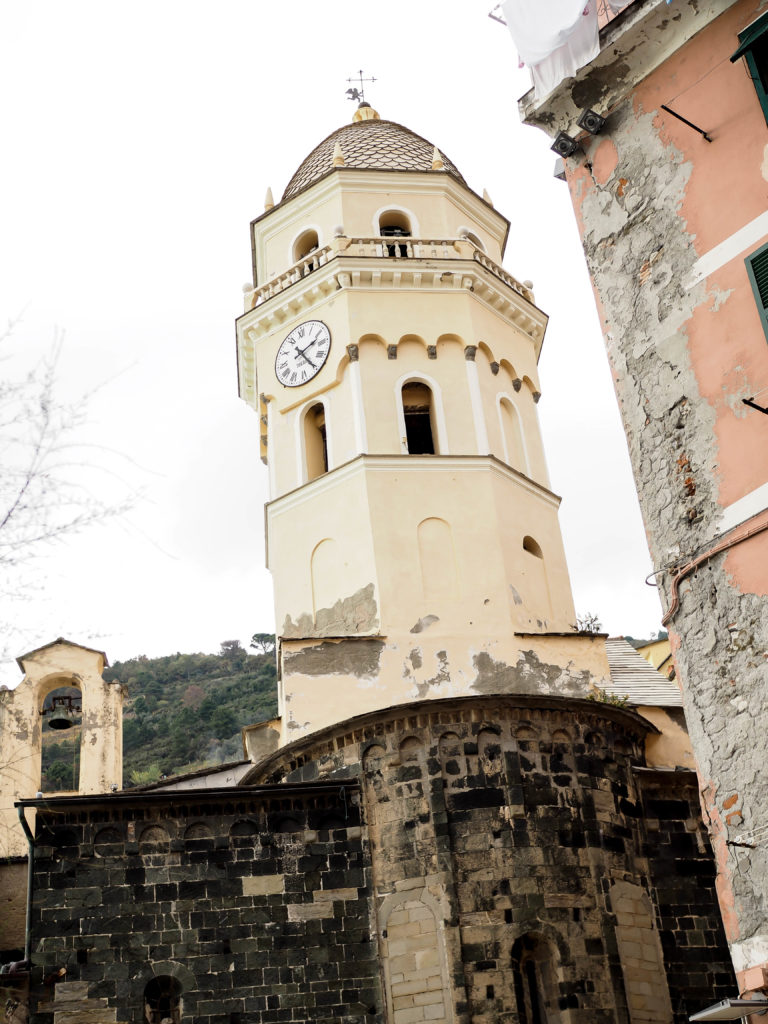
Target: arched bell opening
{"type": "Point", "coordinates": [307, 243]}
{"type": "Point", "coordinates": [62, 717]}
{"type": "Point", "coordinates": [395, 224]}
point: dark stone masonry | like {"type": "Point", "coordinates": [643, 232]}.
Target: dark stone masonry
{"type": "Point", "coordinates": [477, 859]}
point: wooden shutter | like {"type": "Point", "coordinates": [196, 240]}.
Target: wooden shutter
{"type": "Point", "coordinates": [757, 268]}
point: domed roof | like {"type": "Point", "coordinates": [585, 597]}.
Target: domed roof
{"type": "Point", "coordinates": [369, 144]}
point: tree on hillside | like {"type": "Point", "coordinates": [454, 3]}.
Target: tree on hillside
{"type": "Point", "coordinates": [233, 653]}
{"type": "Point", "coordinates": [263, 643]}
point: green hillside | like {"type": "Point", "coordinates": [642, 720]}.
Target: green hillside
{"type": "Point", "coordinates": [181, 712]}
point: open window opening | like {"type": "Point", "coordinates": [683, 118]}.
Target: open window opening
{"type": "Point", "coordinates": [305, 244]}
{"type": "Point", "coordinates": [530, 545]}
{"type": "Point", "coordinates": [315, 441]}
{"type": "Point", "coordinates": [61, 734]}
{"type": "Point", "coordinates": [162, 1001]}
{"type": "Point", "coordinates": [395, 224]}
{"type": "Point", "coordinates": [419, 415]}
{"type": "Point", "coordinates": [536, 987]}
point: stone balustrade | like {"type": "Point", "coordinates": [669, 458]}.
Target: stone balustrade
{"type": "Point", "coordinates": [382, 248]}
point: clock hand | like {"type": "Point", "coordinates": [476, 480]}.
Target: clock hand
{"type": "Point", "coordinates": [306, 358]}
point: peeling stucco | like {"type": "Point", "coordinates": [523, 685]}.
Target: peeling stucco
{"type": "Point", "coordinates": [359, 657]}
{"type": "Point", "coordinates": [349, 616]}
{"type": "Point", "coordinates": [528, 675]}
{"type": "Point", "coordinates": [424, 623]}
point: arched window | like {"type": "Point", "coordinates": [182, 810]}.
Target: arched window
{"type": "Point", "coordinates": [419, 415]}
{"type": "Point", "coordinates": [535, 977]}
{"type": "Point", "coordinates": [315, 444]}
{"type": "Point", "coordinates": [162, 1000]}
{"type": "Point", "coordinates": [395, 224]}
{"type": "Point", "coordinates": [305, 244]}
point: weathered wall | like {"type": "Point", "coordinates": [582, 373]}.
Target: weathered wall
{"type": "Point", "coordinates": [60, 663]}
{"type": "Point", "coordinates": [13, 908]}
{"type": "Point", "coordinates": [660, 210]}
{"type": "Point", "coordinates": [503, 821]}
{"type": "Point", "coordinates": [258, 904]}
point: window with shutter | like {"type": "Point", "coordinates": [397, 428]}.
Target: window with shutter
{"type": "Point", "coordinates": [757, 268]}
{"type": "Point", "coordinates": [753, 47]}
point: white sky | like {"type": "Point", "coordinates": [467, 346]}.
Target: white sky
{"type": "Point", "coordinates": [139, 140]}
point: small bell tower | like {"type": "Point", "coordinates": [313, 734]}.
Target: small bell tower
{"type": "Point", "coordinates": [411, 530]}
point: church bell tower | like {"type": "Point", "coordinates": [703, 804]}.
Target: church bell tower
{"type": "Point", "coordinates": [411, 530]}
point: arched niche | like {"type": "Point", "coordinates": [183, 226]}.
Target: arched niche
{"type": "Point", "coordinates": [437, 560]}
{"type": "Point", "coordinates": [537, 597]}
{"type": "Point", "coordinates": [512, 437]}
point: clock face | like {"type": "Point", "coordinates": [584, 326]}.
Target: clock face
{"type": "Point", "coordinates": [302, 353]}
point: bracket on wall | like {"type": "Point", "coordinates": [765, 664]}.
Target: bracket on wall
{"type": "Point", "coordinates": [753, 405]}
{"type": "Point", "coordinates": [686, 121]}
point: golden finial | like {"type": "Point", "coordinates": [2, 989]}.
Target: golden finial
{"type": "Point", "coordinates": [338, 156]}
{"type": "Point", "coordinates": [365, 111]}
{"type": "Point", "coordinates": [437, 160]}
{"type": "Point", "coordinates": [269, 202]}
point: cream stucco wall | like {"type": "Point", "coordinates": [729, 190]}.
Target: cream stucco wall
{"type": "Point", "coordinates": [399, 576]}
{"type": "Point", "coordinates": [101, 746]}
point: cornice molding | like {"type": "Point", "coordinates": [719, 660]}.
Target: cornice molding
{"type": "Point", "coordinates": [384, 274]}
{"type": "Point", "coordinates": [364, 465]}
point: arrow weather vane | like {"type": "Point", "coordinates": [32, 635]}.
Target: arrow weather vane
{"type": "Point", "coordinates": [358, 94]}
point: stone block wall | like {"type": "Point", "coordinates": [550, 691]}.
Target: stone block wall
{"type": "Point", "coordinates": [252, 906]}
{"type": "Point", "coordinates": [517, 853]}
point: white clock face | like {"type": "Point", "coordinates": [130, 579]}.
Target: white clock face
{"type": "Point", "coordinates": [302, 353]}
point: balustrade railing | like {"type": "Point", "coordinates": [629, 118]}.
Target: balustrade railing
{"type": "Point", "coordinates": [384, 248]}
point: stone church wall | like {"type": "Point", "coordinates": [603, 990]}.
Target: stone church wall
{"type": "Point", "coordinates": [495, 860]}
{"type": "Point", "coordinates": [548, 856]}
{"type": "Point", "coordinates": [256, 907]}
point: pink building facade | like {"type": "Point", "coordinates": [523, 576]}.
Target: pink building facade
{"type": "Point", "coordinates": [674, 224]}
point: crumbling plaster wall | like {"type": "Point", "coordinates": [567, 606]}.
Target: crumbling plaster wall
{"type": "Point", "coordinates": [630, 194]}
{"type": "Point", "coordinates": [101, 745]}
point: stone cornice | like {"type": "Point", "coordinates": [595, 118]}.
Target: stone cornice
{"type": "Point", "coordinates": [429, 464]}
{"type": "Point", "coordinates": [482, 280]}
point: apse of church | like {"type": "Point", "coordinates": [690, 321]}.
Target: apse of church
{"type": "Point", "coordinates": [456, 817]}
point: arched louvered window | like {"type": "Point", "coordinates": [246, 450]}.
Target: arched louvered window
{"type": "Point", "coordinates": [757, 268]}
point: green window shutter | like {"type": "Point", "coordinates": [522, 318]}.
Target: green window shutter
{"type": "Point", "coordinates": [757, 268]}
{"type": "Point", "coordinates": [753, 47]}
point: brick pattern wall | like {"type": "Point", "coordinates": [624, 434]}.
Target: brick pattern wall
{"type": "Point", "coordinates": [258, 906]}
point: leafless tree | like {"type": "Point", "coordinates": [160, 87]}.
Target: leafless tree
{"type": "Point", "coordinates": [46, 483]}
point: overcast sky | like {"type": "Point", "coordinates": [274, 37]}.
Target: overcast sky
{"type": "Point", "coordinates": [140, 139]}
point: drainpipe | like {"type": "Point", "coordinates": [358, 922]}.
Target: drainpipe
{"type": "Point", "coordinates": [30, 877]}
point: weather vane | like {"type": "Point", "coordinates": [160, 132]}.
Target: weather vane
{"type": "Point", "coordinates": [358, 95]}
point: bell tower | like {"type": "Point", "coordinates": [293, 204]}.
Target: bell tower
{"type": "Point", "coordinates": [411, 530]}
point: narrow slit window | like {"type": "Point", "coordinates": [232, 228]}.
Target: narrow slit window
{"type": "Point", "coordinates": [418, 413]}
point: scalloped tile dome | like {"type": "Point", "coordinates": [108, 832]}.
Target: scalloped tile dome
{"type": "Point", "coordinates": [369, 145]}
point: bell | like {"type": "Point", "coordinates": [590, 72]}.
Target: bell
{"type": "Point", "coordinates": [60, 718]}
